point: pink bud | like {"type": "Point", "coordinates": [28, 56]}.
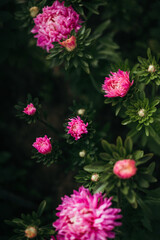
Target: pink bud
{"type": "Point", "coordinates": [69, 44]}
{"type": "Point", "coordinates": [125, 168]}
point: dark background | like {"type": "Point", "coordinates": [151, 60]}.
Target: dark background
{"type": "Point", "coordinates": [23, 183]}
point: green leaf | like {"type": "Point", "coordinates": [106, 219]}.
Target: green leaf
{"type": "Point", "coordinates": [131, 197]}
{"type": "Point", "coordinates": [119, 142]}
{"type": "Point", "coordinates": [118, 108]}
{"type": "Point", "coordinates": [90, 7]}
{"type": "Point", "coordinates": [102, 27]}
{"type": "Point", "coordinates": [95, 167]}
{"type": "Point", "coordinates": [128, 144]}
{"type": "Point", "coordinates": [41, 208]}
{"type": "Point", "coordinates": [143, 183]}
{"type": "Point", "coordinates": [106, 146]}
{"type": "Point", "coordinates": [151, 168]}
{"type": "Point", "coordinates": [105, 156]}
{"type": "Point", "coordinates": [126, 121]}
{"type": "Point", "coordinates": [144, 159]}
{"type": "Point", "coordinates": [100, 187]}
{"type": "Point", "coordinates": [138, 154]}
{"type": "Point", "coordinates": [149, 53]}
{"type": "Point", "coordinates": [125, 190]}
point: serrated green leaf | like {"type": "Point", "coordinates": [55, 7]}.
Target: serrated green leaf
{"type": "Point", "coordinates": [105, 156]}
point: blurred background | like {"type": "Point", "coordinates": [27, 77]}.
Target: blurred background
{"type": "Point", "coordinates": [134, 26]}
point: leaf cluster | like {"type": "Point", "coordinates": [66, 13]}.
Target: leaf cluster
{"type": "Point", "coordinates": [110, 183]}
{"type": "Point", "coordinates": [20, 108]}
{"type": "Point", "coordinates": [30, 220]}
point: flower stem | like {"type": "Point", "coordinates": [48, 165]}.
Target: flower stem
{"type": "Point", "coordinates": [49, 126]}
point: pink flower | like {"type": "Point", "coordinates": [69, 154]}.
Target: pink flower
{"type": "Point", "coordinates": [117, 84]}
{"type": "Point", "coordinates": [55, 23]}
{"type": "Point", "coordinates": [125, 168]}
{"type": "Point", "coordinates": [52, 238]}
{"type": "Point", "coordinates": [30, 109]}
{"type": "Point", "coordinates": [43, 145]}
{"type": "Point", "coordinates": [86, 217]}
{"type": "Point", "coordinates": [77, 127]}
{"type": "Point", "coordinates": [69, 44]}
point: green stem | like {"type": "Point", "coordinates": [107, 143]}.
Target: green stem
{"type": "Point", "coordinates": [49, 126]}
{"type": "Point", "coordinates": [95, 84]}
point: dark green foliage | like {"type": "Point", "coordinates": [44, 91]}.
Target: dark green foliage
{"type": "Point", "coordinates": [31, 220]}
{"type": "Point", "coordinates": [142, 111]}
{"type": "Point", "coordinates": [24, 16]}
{"type": "Point", "coordinates": [148, 69]}
{"type": "Point", "coordinates": [81, 5]}
{"type": "Point", "coordinates": [109, 182]}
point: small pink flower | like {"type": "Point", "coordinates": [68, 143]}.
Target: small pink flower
{"type": "Point", "coordinates": [30, 109]}
{"type": "Point", "coordinates": [69, 44]}
{"type": "Point", "coordinates": [84, 216]}
{"type": "Point", "coordinates": [77, 127]}
{"type": "Point", "coordinates": [125, 168]}
{"type": "Point", "coordinates": [55, 23]}
{"type": "Point", "coordinates": [117, 84]}
{"type": "Point", "coordinates": [43, 145]}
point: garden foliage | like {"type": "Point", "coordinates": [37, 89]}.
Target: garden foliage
{"type": "Point", "coordinates": [117, 176]}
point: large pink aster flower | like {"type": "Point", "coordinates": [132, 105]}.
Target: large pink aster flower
{"type": "Point", "coordinates": [30, 109]}
{"type": "Point", "coordinates": [86, 217]}
{"type": "Point", "coordinates": [43, 145]}
{"type": "Point", "coordinates": [77, 127]}
{"type": "Point", "coordinates": [117, 84]}
{"type": "Point", "coordinates": [55, 23]}
{"type": "Point", "coordinates": [125, 168]}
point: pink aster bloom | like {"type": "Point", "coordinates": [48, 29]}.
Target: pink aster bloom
{"type": "Point", "coordinates": [30, 109]}
{"type": "Point", "coordinates": [69, 44]}
{"type": "Point", "coordinates": [77, 127]}
{"type": "Point", "coordinates": [84, 216]}
{"type": "Point", "coordinates": [117, 84]}
{"type": "Point", "coordinates": [43, 145]}
{"type": "Point", "coordinates": [55, 23]}
{"type": "Point", "coordinates": [125, 168]}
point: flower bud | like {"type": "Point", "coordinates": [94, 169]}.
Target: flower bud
{"type": "Point", "coordinates": [82, 153]}
{"type": "Point", "coordinates": [34, 11]}
{"type": "Point", "coordinates": [141, 112]}
{"type": "Point", "coordinates": [95, 177]}
{"type": "Point", "coordinates": [69, 44]}
{"type": "Point", "coordinates": [151, 68]}
{"type": "Point", "coordinates": [81, 111]}
{"type": "Point", "coordinates": [125, 168]}
{"type": "Point", "coordinates": [31, 232]}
